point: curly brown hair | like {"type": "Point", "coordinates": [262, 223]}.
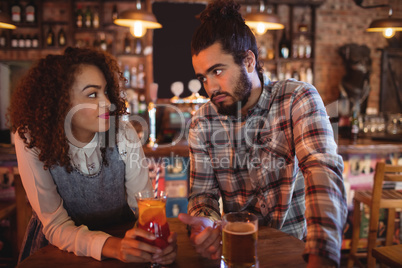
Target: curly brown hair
{"type": "Point", "coordinates": [41, 101]}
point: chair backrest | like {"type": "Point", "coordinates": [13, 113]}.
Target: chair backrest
{"type": "Point", "coordinates": [24, 210]}
{"type": "Point", "coordinates": [385, 172]}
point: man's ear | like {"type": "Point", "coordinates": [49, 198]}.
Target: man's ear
{"type": "Point", "coordinates": [250, 61]}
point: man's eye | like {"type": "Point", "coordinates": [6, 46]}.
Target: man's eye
{"type": "Point", "coordinates": [202, 79]}
{"type": "Point", "coordinates": [218, 72]}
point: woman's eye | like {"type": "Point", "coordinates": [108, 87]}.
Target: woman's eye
{"type": "Point", "coordinates": [92, 95]}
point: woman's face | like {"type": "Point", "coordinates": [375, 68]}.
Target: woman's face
{"type": "Point", "coordinates": [89, 105]}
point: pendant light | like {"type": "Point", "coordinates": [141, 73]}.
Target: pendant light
{"type": "Point", "coordinates": [5, 21]}
{"type": "Point", "coordinates": [138, 20]}
{"type": "Point", "coordinates": [387, 26]}
{"type": "Point", "coordinates": [262, 21]}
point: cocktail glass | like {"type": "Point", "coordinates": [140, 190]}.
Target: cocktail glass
{"type": "Point", "coordinates": [152, 218]}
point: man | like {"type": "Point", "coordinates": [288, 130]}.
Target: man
{"type": "Point", "coordinates": [248, 144]}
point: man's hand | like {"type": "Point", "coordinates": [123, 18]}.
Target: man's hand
{"type": "Point", "coordinates": [205, 237]}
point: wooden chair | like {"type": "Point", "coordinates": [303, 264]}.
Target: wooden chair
{"type": "Point", "coordinates": [23, 208]}
{"type": "Point", "coordinates": [376, 198]}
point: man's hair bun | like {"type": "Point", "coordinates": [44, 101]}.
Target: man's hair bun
{"type": "Point", "coordinates": [221, 10]}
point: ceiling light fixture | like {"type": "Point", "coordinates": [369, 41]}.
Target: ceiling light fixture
{"type": "Point", "coordinates": [5, 21]}
{"type": "Point", "coordinates": [387, 26]}
{"type": "Point", "coordinates": [262, 21]}
{"type": "Point", "coordinates": [138, 20]}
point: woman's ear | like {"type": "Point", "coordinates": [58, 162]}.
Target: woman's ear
{"type": "Point", "coordinates": [250, 61]}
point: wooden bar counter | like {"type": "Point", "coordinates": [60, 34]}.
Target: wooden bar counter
{"type": "Point", "coordinates": [275, 249]}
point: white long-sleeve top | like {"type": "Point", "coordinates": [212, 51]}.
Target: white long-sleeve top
{"type": "Point", "coordinates": [58, 227]}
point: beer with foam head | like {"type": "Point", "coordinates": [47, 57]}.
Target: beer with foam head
{"type": "Point", "coordinates": [239, 240]}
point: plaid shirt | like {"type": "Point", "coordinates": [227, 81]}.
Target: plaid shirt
{"type": "Point", "coordinates": [278, 162]}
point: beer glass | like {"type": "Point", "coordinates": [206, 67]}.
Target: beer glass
{"type": "Point", "coordinates": [152, 218]}
{"type": "Point", "coordinates": [239, 239]}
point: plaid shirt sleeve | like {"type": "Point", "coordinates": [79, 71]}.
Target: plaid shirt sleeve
{"type": "Point", "coordinates": [204, 188]}
{"type": "Point", "coordinates": [322, 167]}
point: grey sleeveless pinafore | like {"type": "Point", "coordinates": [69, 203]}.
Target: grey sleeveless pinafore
{"type": "Point", "coordinates": [93, 200]}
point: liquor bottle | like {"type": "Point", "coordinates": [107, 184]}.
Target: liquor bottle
{"type": "Point", "coordinates": [142, 107]}
{"type": "Point", "coordinates": [21, 41]}
{"type": "Point", "coordinates": [3, 39]}
{"type": "Point", "coordinates": [88, 18]}
{"type": "Point", "coordinates": [114, 12]}
{"type": "Point", "coordinates": [30, 12]}
{"type": "Point", "coordinates": [141, 76]}
{"type": "Point", "coordinates": [133, 77]}
{"type": "Point", "coordinates": [301, 48]}
{"type": "Point", "coordinates": [284, 46]}
{"type": "Point", "coordinates": [50, 37]}
{"type": "Point", "coordinates": [103, 44]}
{"type": "Point", "coordinates": [307, 54]}
{"type": "Point", "coordinates": [79, 17]}
{"type": "Point", "coordinates": [354, 126]}
{"type": "Point", "coordinates": [126, 74]}
{"type": "Point", "coordinates": [16, 10]}
{"type": "Point", "coordinates": [95, 19]}
{"type": "Point", "coordinates": [127, 44]}
{"type": "Point", "coordinates": [35, 41]}
{"type": "Point", "coordinates": [309, 75]}
{"type": "Point", "coordinates": [138, 46]}
{"type": "Point", "coordinates": [28, 41]}
{"type": "Point", "coordinates": [14, 41]}
{"type": "Point", "coordinates": [61, 38]}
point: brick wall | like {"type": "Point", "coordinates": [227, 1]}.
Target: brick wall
{"type": "Point", "coordinates": [341, 22]}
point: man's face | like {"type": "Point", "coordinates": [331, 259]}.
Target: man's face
{"type": "Point", "coordinates": [226, 83]}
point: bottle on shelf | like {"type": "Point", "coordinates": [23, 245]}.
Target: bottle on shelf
{"type": "Point", "coordinates": [307, 53]}
{"type": "Point", "coordinates": [30, 12]}
{"type": "Point", "coordinates": [303, 26]}
{"type": "Point", "coordinates": [127, 44]}
{"type": "Point", "coordinates": [61, 38]}
{"type": "Point", "coordinates": [133, 77]}
{"type": "Point", "coordinates": [354, 124]}
{"type": "Point", "coordinates": [21, 41]}
{"type": "Point", "coordinates": [141, 76]}
{"type": "Point", "coordinates": [88, 17]}
{"type": "Point", "coordinates": [134, 103]}
{"type": "Point", "coordinates": [16, 11]}
{"type": "Point", "coordinates": [114, 12]}
{"type": "Point", "coordinates": [284, 46]}
{"type": "Point", "coordinates": [3, 39]}
{"type": "Point", "coordinates": [95, 18]}
{"type": "Point", "coordinates": [103, 43]}
{"type": "Point", "coordinates": [126, 74]}
{"type": "Point", "coordinates": [50, 42]}
{"type": "Point", "coordinates": [28, 41]}
{"type": "Point", "coordinates": [79, 17]}
{"type": "Point", "coordinates": [309, 75]}
{"type": "Point", "coordinates": [142, 107]}
{"type": "Point", "coordinates": [35, 41]}
{"type": "Point", "coordinates": [301, 47]}
{"type": "Point", "coordinates": [138, 46]}
{"type": "Point", "coordinates": [14, 41]}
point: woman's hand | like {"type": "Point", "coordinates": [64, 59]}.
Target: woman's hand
{"type": "Point", "coordinates": [168, 254]}
{"type": "Point", "coordinates": [129, 249]}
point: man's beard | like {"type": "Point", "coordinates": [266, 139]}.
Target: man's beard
{"type": "Point", "coordinates": [240, 96]}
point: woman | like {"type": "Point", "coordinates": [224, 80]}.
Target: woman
{"type": "Point", "coordinates": [77, 161]}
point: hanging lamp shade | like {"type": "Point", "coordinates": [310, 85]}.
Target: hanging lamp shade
{"type": "Point", "coordinates": [262, 21]}
{"type": "Point", "coordinates": [138, 21]}
{"type": "Point", "coordinates": [388, 26]}
{"type": "Point", "coordinates": [5, 21]}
